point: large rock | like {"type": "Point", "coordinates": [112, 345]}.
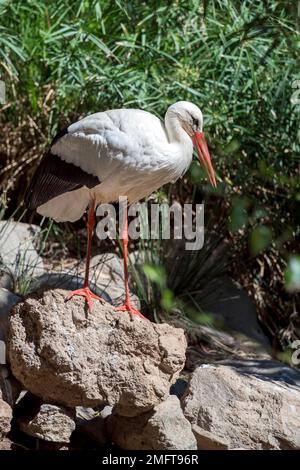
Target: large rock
{"type": "Point", "coordinates": [230, 306]}
{"type": "Point", "coordinates": [18, 252]}
{"type": "Point", "coordinates": [63, 353]}
{"type": "Point", "coordinates": [164, 428]}
{"type": "Point", "coordinates": [50, 423]}
{"type": "Point", "coordinates": [260, 411]}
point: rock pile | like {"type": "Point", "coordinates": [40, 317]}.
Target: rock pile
{"type": "Point", "coordinates": [93, 379]}
{"type": "Point", "coordinates": [69, 357]}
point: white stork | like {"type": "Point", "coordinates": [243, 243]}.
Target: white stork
{"type": "Point", "coordinates": [120, 152]}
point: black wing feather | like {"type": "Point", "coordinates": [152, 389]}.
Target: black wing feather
{"type": "Point", "coordinates": [54, 177]}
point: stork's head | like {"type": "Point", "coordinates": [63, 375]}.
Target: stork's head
{"type": "Point", "coordinates": [191, 120]}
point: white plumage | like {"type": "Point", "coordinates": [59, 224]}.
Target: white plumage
{"type": "Point", "coordinates": [131, 152]}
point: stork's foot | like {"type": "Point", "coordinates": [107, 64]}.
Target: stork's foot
{"type": "Point", "coordinates": [87, 294]}
{"type": "Point", "coordinates": [127, 307]}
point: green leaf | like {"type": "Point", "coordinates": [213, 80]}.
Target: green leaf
{"type": "Point", "coordinates": [167, 299]}
{"type": "Point", "coordinates": [238, 217]}
{"type": "Point", "coordinates": [156, 274]}
{"type": "Point", "coordinates": [292, 274]}
{"type": "Point", "coordinates": [260, 238]}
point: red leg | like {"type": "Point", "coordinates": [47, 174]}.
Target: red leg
{"type": "Point", "coordinates": [127, 307]}
{"type": "Point", "coordinates": [85, 291]}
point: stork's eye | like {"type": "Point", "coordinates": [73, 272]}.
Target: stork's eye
{"type": "Point", "coordinates": [195, 123]}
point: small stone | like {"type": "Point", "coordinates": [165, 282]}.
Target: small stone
{"type": "Point", "coordinates": [9, 386]}
{"type": "Point", "coordinates": [107, 411]}
{"type": "Point", "coordinates": [51, 423]}
{"type": "Point", "coordinates": [164, 428]}
{"type": "Point", "coordinates": [6, 444]}
{"type": "Point", "coordinates": [18, 248]}
{"type": "Point", "coordinates": [84, 414]}
{"type": "Point", "coordinates": [64, 354]}
{"type": "Point", "coordinates": [6, 280]}
{"type": "Point", "coordinates": [5, 417]}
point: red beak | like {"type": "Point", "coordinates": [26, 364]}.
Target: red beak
{"type": "Point", "coordinates": [204, 157]}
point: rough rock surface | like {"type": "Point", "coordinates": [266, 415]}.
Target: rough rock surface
{"type": "Point", "coordinates": [164, 428]}
{"type": "Point", "coordinates": [62, 353]}
{"type": "Point", "coordinates": [260, 411]}
{"type": "Point", "coordinates": [51, 423]}
{"type": "Point", "coordinates": [17, 248]}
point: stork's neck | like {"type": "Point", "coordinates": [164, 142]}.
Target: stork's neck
{"type": "Point", "coordinates": [182, 151]}
{"type": "Point", "coordinates": [175, 132]}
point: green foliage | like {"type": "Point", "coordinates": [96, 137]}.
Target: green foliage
{"type": "Point", "coordinates": [292, 274]}
{"type": "Point", "coordinates": [238, 217]}
{"type": "Point", "coordinates": [157, 275]}
{"type": "Point", "coordinates": [260, 239]}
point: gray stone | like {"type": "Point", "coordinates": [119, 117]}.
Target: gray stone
{"type": "Point", "coordinates": [63, 353]}
{"type": "Point", "coordinates": [84, 414]}
{"type": "Point", "coordinates": [9, 386]}
{"type": "Point", "coordinates": [249, 408]}
{"type": "Point", "coordinates": [108, 273]}
{"type": "Point", "coordinates": [5, 416]}
{"type": "Point", "coordinates": [107, 411]}
{"type": "Point", "coordinates": [18, 252]}
{"type": "Point", "coordinates": [231, 306]}
{"type": "Point", "coordinates": [65, 281]}
{"type": "Point", "coordinates": [7, 301]}
{"type": "Point", "coordinates": [164, 428]}
{"type": "Point", "coordinates": [6, 280]}
{"type": "Point", "coordinates": [51, 423]}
